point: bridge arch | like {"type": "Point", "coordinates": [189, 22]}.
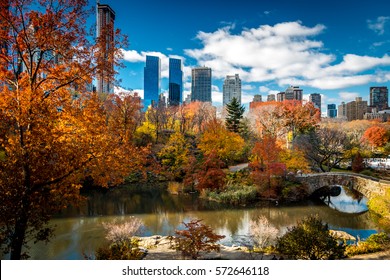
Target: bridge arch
{"type": "Point", "coordinates": [366, 185]}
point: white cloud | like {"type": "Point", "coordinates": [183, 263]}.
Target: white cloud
{"type": "Point", "coordinates": [132, 56]}
{"type": "Point", "coordinates": [140, 92]}
{"type": "Point", "coordinates": [247, 87]}
{"type": "Point", "coordinates": [284, 53]}
{"type": "Point", "coordinates": [378, 25]}
{"type": "Point", "coordinates": [348, 96]}
{"type": "Point", "coordinates": [264, 89]}
{"type": "Point", "coordinates": [214, 88]}
{"type": "Point", "coordinates": [216, 97]}
{"type": "Point", "coordinates": [246, 98]}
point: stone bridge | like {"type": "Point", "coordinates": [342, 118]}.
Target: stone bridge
{"type": "Point", "coordinates": [366, 185]}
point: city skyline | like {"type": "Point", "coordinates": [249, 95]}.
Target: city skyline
{"type": "Point", "coordinates": [270, 45]}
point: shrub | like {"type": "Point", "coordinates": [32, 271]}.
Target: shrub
{"type": "Point", "coordinates": [127, 250]}
{"type": "Point", "coordinates": [235, 195]}
{"type": "Point", "coordinates": [262, 232]}
{"type": "Point", "coordinates": [374, 243]}
{"type": "Point", "coordinates": [310, 239]}
{"type": "Point", "coordinates": [196, 238]}
{"type": "Point", "coordinates": [121, 232]}
{"type": "Point", "coordinates": [122, 243]}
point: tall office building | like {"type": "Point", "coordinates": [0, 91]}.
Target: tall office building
{"type": "Point", "coordinates": [152, 74]}
{"type": "Point", "coordinates": [356, 109]}
{"type": "Point", "coordinates": [379, 98]}
{"type": "Point", "coordinates": [280, 96]}
{"type": "Point", "coordinates": [315, 98]}
{"type": "Point", "coordinates": [271, 97]}
{"type": "Point", "coordinates": [293, 93]}
{"type": "Point", "coordinates": [105, 25]}
{"type": "Point", "coordinates": [342, 111]}
{"type": "Point", "coordinates": [332, 111]}
{"type": "Point", "coordinates": [175, 82]}
{"type": "Point", "coordinates": [201, 84]}
{"type": "Point", "coordinates": [231, 89]}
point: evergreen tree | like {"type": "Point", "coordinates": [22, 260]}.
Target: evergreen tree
{"type": "Point", "coordinates": [235, 113]}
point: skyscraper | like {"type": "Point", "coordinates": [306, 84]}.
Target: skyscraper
{"type": "Point", "coordinates": [379, 97]}
{"type": "Point", "coordinates": [231, 88]}
{"type": "Point", "coordinates": [293, 93]}
{"type": "Point", "coordinates": [332, 111]}
{"type": "Point", "coordinates": [356, 109]}
{"type": "Point", "coordinates": [105, 26]}
{"type": "Point", "coordinates": [342, 111]}
{"type": "Point", "coordinates": [271, 97]}
{"type": "Point", "coordinates": [175, 81]}
{"type": "Point", "coordinates": [281, 96]}
{"type": "Point", "coordinates": [201, 84]}
{"type": "Point", "coordinates": [315, 98]}
{"type": "Point", "coordinates": [152, 72]}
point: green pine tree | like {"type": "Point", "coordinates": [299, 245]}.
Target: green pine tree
{"type": "Point", "coordinates": [235, 112]}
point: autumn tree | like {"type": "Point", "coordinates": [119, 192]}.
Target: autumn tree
{"type": "Point", "coordinates": [299, 118]}
{"type": "Point", "coordinates": [123, 114]}
{"type": "Point", "coordinates": [268, 117]}
{"type": "Point", "coordinates": [265, 162]}
{"type": "Point", "coordinates": [207, 173]}
{"type": "Point", "coordinates": [226, 144]}
{"type": "Point", "coordinates": [53, 133]}
{"type": "Point", "coordinates": [175, 155]}
{"type": "Point", "coordinates": [235, 112]}
{"type": "Point", "coordinates": [324, 148]}
{"type": "Point", "coordinates": [376, 136]}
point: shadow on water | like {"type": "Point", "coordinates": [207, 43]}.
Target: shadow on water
{"type": "Point", "coordinates": [79, 230]}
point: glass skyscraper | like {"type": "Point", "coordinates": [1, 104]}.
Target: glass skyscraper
{"type": "Point", "coordinates": [201, 84]}
{"type": "Point", "coordinates": [105, 25]}
{"type": "Point", "coordinates": [231, 88]}
{"type": "Point", "coordinates": [379, 97]}
{"type": "Point", "coordinates": [332, 111]}
{"type": "Point", "coordinates": [152, 74]}
{"type": "Point", "coordinates": [175, 81]}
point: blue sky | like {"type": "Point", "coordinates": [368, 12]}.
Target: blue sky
{"type": "Point", "coordinates": [336, 48]}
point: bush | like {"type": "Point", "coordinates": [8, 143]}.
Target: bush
{"type": "Point", "coordinates": [374, 243]}
{"type": "Point", "coordinates": [310, 240]}
{"type": "Point", "coordinates": [121, 232]}
{"type": "Point", "coordinates": [122, 243]}
{"type": "Point", "coordinates": [127, 250]}
{"type": "Point", "coordinates": [262, 233]}
{"type": "Point", "coordinates": [196, 238]}
{"type": "Point", "coordinates": [235, 195]}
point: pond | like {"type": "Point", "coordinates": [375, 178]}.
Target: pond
{"type": "Point", "coordinates": [79, 230]}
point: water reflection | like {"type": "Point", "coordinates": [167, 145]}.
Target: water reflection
{"type": "Point", "coordinates": [79, 230]}
{"type": "Point", "coordinates": [348, 201]}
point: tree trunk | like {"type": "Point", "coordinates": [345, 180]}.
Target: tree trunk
{"type": "Point", "coordinates": [18, 237]}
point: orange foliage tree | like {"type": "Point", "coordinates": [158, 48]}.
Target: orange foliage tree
{"type": "Point", "coordinates": [376, 136]}
{"type": "Point", "coordinates": [206, 174]}
{"type": "Point", "coordinates": [265, 163]}
{"type": "Point", "coordinates": [299, 117]}
{"type": "Point", "coordinates": [53, 133]}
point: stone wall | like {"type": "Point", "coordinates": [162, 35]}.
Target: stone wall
{"type": "Point", "coordinates": [368, 186]}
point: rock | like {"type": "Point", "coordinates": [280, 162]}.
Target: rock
{"type": "Point", "coordinates": [341, 235]}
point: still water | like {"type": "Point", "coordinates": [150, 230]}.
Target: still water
{"type": "Point", "coordinates": [79, 230]}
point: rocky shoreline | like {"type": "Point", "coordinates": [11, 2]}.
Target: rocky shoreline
{"type": "Point", "coordinates": [157, 247]}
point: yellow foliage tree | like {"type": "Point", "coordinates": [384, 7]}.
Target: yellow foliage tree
{"type": "Point", "coordinates": [227, 145]}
